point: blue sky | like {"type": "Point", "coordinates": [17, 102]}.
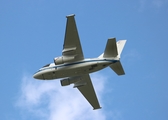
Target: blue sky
{"type": "Point", "coordinates": [32, 34]}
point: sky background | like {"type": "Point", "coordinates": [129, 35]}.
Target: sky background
{"type": "Point", "coordinates": [32, 34]}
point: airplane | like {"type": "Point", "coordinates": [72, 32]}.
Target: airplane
{"type": "Point", "coordinates": [73, 68]}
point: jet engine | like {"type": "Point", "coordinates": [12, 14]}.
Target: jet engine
{"type": "Point", "coordinates": [70, 80]}
{"type": "Point", "coordinates": [62, 59]}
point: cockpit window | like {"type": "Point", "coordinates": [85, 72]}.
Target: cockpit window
{"type": "Point", "coordinates": [46, 65]}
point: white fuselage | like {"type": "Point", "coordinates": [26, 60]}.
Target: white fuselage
{"type": "Point", "coordinates": [78, 68]}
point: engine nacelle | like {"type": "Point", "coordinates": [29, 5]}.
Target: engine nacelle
{"type": "Point", "coordinates": [58, 60]}
{"type": "Point", "coordinates": [70, 80]}
{"type": "Point", "coordinates": [62, 59]}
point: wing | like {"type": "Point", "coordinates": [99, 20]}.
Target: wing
{"type": "Point", "coordinates": [72, 47]}
{"type": "Point", "coordinates": [86, 88]}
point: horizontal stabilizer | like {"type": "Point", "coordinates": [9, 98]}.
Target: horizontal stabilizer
{"type": "Point", "coordinates": [117, 68]}
{"type": "Point", "coordinates": [111, 48]}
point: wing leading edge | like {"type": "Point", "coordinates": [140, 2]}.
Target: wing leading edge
{"type": "Point", "coordinates": [72, 47]}
{"type": "Point", "coordinates": [86, 88]}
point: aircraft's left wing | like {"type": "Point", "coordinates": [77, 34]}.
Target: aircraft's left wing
{"type": "Point", "coordinates": [72, 48]}
{"type": "Point", "coordinates": [86, 88]}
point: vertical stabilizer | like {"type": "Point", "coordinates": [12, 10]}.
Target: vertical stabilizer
{"type": "Point", "coordinates": [120, 46]}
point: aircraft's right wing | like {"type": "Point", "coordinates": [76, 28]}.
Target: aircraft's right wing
{"type": "Point", "coordinates": [72, 48]}
{"type": "Point", "coordinates": [86, 88]}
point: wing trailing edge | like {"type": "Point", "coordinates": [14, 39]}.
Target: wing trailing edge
{"type": "Point", "coordinates": [86, 88]}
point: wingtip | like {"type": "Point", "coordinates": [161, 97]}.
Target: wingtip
{"type": "Point", "coordinates": [97, 108]}
{"type": "Point", "coordinates": [71, 15]}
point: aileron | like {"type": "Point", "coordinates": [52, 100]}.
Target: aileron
{"type": "Point", "coordinates": [86, 88]}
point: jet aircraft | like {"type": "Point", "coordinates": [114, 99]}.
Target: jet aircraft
{"type": "Point", "coordinates": [73, 68]}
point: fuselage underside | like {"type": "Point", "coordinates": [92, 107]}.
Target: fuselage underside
{"type": "Point", "coordinates": [73, 69]}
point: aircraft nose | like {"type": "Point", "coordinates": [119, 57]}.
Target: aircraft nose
{"type": "Point", "coordinates": [38, 76]}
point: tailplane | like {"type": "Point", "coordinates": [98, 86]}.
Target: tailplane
{"type": "Point", "coordinates": [113, 50]}
{"type": "Point", "coordinates": [117, 68]}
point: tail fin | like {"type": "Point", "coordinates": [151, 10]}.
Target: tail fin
{"type": "Point", "coordinates": [120, 46]}
{"type": "Point", "coordinates": [113, 50]}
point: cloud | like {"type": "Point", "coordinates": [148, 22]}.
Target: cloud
{"type": "Point", "coordinates": [49, 100]}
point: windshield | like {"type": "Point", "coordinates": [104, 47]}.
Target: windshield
{"type": "Point", "coordinates": [46, 65]}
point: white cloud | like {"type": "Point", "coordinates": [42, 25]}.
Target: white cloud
{"type": "Point", "coordinates": [49, 100]}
